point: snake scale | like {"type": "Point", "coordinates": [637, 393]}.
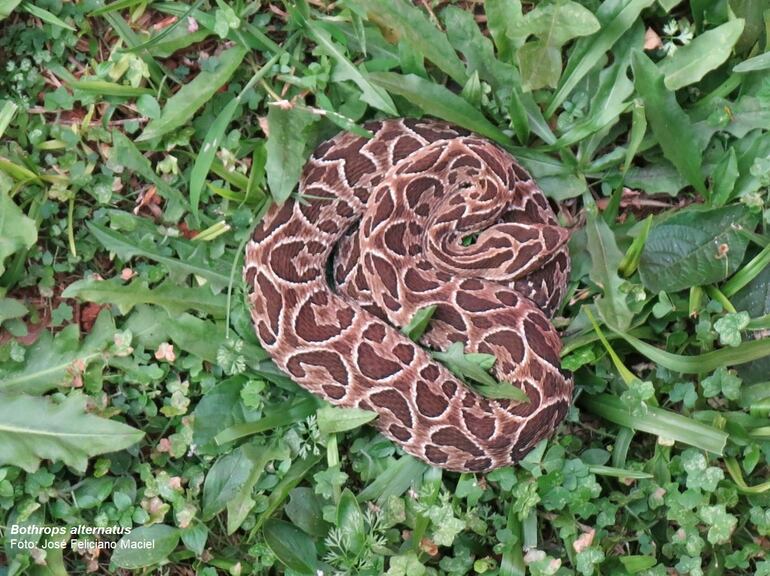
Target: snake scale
{"type": "Point", "coordinates": [390, 214]}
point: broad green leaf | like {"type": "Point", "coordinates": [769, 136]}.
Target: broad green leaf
{"type": "Point", "coordinates": [17, 171]}
{"type": "Point", "coordinates": [556, 179]}
{"type": "Point", "coordinates": [185, 103]}
{"type": "Point", "coordinates": [439, 102]}
{"type": "Point", "coordinates": [220, 408]}
{"type": "Point", "coordinates": [17, 231]}
{"type": "Point", "coordinates": [332, 419]}
{"type": "Point", "coordinates": [760, 62]}
{"type": "Point", "coordinates": [607, 104]}
{"type": "Point", "coordinates": [203, 339]}
{"type": "Point", "coordinates": [11, 308]}
{"type": "Point", "coordinates": [474, 366]}
{"type": "Point", "coordinates": [605, 259]}
{"type": "Point", "coordinates": [350, 521]}
{"type": "Point", "coordinates": [739, 118]}
{"type": "Point", "coordinates": [556, 23]}
{"type": "Point", "coordinates": [466, 37]}
{"type": "Point", "coordinates": [194, 262]}
{"type": "Point", "coordinates": [305, 511]}
{"type": "Point", "coordinates": [540, 65]}
{"type": "Point", "coordinates": [636, 135]}
{"type": "Point", "coordinates": [706, 362]}
{"type": "Point", "coordinates": [292, 546]}
{"type": "Point", "coordinates": [34, 428]}
{"type": "Point", "coordinates": [467, 365]}
{"type": "Point", "coordinates": [707, 51]}
{"type": "Point", "coordinates": [504, 20]}
{"type": "Point", "coordinates": [145, 546]}
{"type": "Point", "coordinates": [7, 6]}
{"type": "Point", "coordinates": [724, 177]}
{"type": "Point", "coordinates": [285, 149]}
{"type": "Point", "coordinates": [172, 297]}
{"type": "Point", "coordinates": [615, 17]}
{"type": "Point", "coordinates": [224, 480]}
{"type": "Point", "coordinates": [658, 178]}
{"type": "Point", "coordinates": [178, 39]}
{"type": "Point", "coordinates": [57, 361]}
{"type": "Point", "coordinates": [502, 391]}
{"type": "Point", "coordinates": [396, 480]}
{"type": "Point", "coordinates": [294, 476]}
{"type": "Point", "coordinates": [668, 122]}
{"type": "Point", "coordinates": [695, 247]}
{"type": "Point", "coordinates": [636, 564]}
{"type": "Point", "coordinates": [242, 503]}
{"type": "Point", "coordinates": [754, 12]}
{"type": "Point", "coordinates": [411, 25]}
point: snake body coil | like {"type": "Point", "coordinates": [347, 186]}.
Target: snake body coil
{"type": "Point", "coordinates": [397, 208]}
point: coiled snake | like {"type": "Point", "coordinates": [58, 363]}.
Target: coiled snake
{"type": "Point", "coordinates": [397, 208]}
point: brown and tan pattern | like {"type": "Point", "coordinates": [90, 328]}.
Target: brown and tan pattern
{"type": "Point", "coordinates": [396, 208]}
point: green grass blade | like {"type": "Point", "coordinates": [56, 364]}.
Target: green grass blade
{"type": "Point", "coordinates": [706, 362]}
{"type": "Point", "coordinates": [184, 104]}
{"type": "Point", "coordinates": [616, 18]}
{"type": "Point", "coordinates": [747, 273]}
{"type": "Point", "coordinates": [658, 421]}
{"type": "Point", "coordinates": [6, 115]}
{"type": "Point", "coordinates": [372, 95]}
{"type": "Point", "coordinates": [104, 88]}
{"type": "Point", "coordinates": [46, 16]}
{"type": "Point", "coordinates": [214, 137]}
{"type": "Point", "coordinates": [283, 415]}
{"type": "Point", "coordinates": [417, 31]}
{"type": "Point", "coordinates": [439, 102]}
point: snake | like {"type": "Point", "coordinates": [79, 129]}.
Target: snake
{"type": "Point", "coordinates": [419, 214]}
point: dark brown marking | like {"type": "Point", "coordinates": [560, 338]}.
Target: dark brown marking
{"type": "Point", "coordinates": [435, 454]}
{"type": "Point", "coordinates": [428, 403]}
{"type": "Point", "coordinates": [477, 464]}
{"type": "Point", "coordinates": [509, 340]}
{"type": "Point", "coordinates": [393, 401]}
{"type": "Point", "coordinates": [333, 391]}
{"type": "Point", "coordinates": [374, 366]}
{"type": "Point", "coordinates": [430, 372]}
{"type": "Point", "coordinates": [394, 238]}
{"type": "Point", "coordinates": [400, 432]}
{"type": "Point", "coordinates": [473, 303]}
{"type": "Point", "coordinates": [417, 282]}
{"type": "Point", "coordinates": [374, 332]}
{"type": "Point", "coordinates": [538, 343]}
{"type": "Point", "coordinates": [273, 300]}
{"type": "Point", "coordinates": [404, 352]}
{"type": "Point", "coordinates": [330, 361]}
{"type": "Point", "coordinates": [482, 428]}
{"type": "Point", "coordinates": [450, 436]}
{"type": "Point", "coordinates": [385, 272]}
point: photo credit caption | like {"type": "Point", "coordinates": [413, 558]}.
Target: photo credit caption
{"type": "Point", "coordinates": [79, 537]}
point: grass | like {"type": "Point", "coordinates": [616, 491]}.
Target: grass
{"type": "Point", "coordinates": [140, 142]}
